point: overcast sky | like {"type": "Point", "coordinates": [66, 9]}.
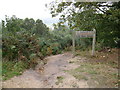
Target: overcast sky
{"type": "Point", "coordinates": [27, 8]}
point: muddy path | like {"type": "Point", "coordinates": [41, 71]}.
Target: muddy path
{"type": "Point", "coordinates": [52, 76]}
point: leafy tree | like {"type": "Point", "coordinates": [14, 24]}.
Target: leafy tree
{"type": "Point", "coordinates": [103, 16]}
{"type": "Point", "coordinates": [41, 28]}
{"type": "Point", "coordinates": [13, 24]}
{"type": "Point", "coordinates": [28, 24]}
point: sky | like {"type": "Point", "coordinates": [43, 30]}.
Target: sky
{"type": "Point", "coordinates": [27, 8]}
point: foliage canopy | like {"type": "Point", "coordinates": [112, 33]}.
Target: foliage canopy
{"type": "Point", "coordinates": [103, 16]}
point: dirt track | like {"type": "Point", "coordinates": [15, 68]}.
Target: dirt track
{"type": "Point", "coordinates": [48, 78]}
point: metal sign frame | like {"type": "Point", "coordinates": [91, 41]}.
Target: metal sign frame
{"type": "Point", "coordinates": [84, 34]}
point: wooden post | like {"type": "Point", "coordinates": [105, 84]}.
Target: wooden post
{"type": "Point", "coordinates": [93, 44]}
{"type": "Point", "coordinates": [73, 49]}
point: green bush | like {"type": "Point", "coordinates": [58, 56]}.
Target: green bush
{"type": "Point", "coordinates": [20, 46]}
{"type": "Point", "coordinates": [55, 48]}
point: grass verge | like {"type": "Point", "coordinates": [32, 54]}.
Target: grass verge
{"type": "Point", "coordinates": [10, 69]}
{"type": "Point", "coordinates": [99, 71]}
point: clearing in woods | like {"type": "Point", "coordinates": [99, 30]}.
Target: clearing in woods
{"type": "Point", "coordinates": [62, 71]}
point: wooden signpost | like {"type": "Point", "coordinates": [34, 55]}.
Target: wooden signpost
{"type": "Point", "coordinates": [85, 34]}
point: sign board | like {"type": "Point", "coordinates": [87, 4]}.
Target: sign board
{"type": "Point", "coordinates": [85, 34]}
